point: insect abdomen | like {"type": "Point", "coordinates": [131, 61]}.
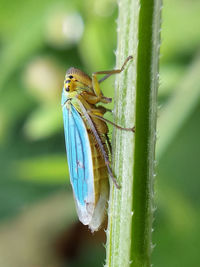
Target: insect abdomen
{"type": "Point", "coordinates": [99, 168]}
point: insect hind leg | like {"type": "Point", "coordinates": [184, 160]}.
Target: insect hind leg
{"type": "Point", "coordinates": [98, 139]}
{"type": "Point", "coordinates": [111, 175]}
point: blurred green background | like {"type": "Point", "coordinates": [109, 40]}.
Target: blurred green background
{"type": "Point", "coordinates": [39, 40]}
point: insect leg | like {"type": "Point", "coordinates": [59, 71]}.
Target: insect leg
{"type": "Point", "coordinates": [96, 83]}
{"type": "Point", "coordinates": [98, 139]}
{"type": "Point", "coordinates": [100, 110]}
{"type": "Point", "coordinates": [93, 99]}
{"type": "Point", "coordinates": [112, 123]}
{"type": "Point", "coordinates": [109, 143]}
{"type": "Point", "coordinates": [111, 72]}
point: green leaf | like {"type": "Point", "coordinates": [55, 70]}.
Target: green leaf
{"type": "Point", "coordinates": [43, 122]}
{"type": "Point", "coordinates": [43, 169]}
{"type": "Point", "coordinates": [179, 107]}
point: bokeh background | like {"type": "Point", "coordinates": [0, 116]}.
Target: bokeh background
{"type": "Point", "coordinates": [39, 40]}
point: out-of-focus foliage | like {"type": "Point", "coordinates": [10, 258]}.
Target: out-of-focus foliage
{"type": "Point", "coordinates": [39, 40]}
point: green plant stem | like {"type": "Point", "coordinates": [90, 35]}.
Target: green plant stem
{"type": "Point", "coordinates": [130, 208]}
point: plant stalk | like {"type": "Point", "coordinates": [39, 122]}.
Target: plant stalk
{"type": "Point", "coordinates": [131, 208]}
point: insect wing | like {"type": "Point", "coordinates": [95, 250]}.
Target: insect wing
{"type": "Point", "coordinates": [80, 163]}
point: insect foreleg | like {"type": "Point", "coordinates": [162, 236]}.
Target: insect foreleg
{"type": "Point", "coordinates": [111, 72]}
{"type": "Point", "coordinates": [95, 82]}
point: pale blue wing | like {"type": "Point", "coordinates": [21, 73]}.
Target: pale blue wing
{"type": "Point", "coordinates": [79, 161]}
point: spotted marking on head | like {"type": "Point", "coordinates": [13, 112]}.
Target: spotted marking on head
{"type": "Point", "coordinates": [68, 82]}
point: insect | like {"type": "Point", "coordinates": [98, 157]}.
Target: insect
{"type": "Point", "coordinates": [87, 143]}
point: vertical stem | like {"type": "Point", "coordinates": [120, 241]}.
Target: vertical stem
{"type": "Point", "coordinates": [130, 208]}
{"type": "Point", "coordinates": [145, 137]}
